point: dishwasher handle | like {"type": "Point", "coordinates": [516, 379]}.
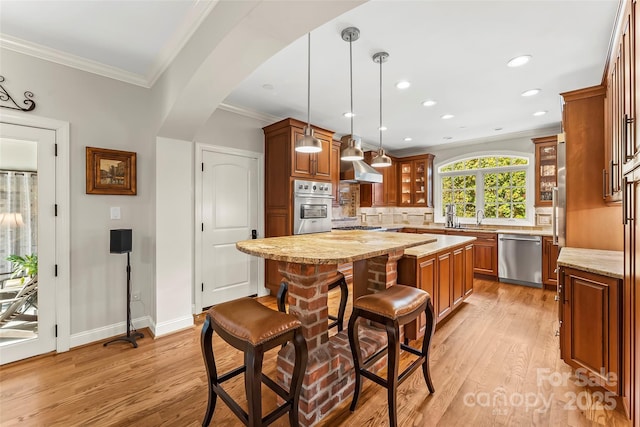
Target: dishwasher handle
{"type": "Point", "coordinates": [521, 239]}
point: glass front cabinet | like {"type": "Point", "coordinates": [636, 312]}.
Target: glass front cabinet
{"type": "Point", "coordinates": [415, 179]}
{"type": "Point", "coordinates": [546, 169]}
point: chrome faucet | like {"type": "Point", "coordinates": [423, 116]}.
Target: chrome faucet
{"type": "Point", "coordinates": [479, 216]}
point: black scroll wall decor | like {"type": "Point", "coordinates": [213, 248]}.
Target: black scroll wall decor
{"type": "Point", "coordinates": [8, 101]}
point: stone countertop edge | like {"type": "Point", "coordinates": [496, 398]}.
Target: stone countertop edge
{"type": "Point", "coordinates": [523, 231]}
{"type": "Point", "coordinates": [605, 263]}
{"type": "Point", "coordinates": [334, 247]}
{"type": "Point", "coordinates": [443, 243]}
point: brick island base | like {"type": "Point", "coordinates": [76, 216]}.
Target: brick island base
{"type": "Point", "coordinates": [329, 378]}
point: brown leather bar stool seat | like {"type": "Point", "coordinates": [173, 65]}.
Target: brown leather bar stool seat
{"type": "Point", "coordinates": [339, 281]}
{"type": "Point", "coordinates": [254, 329]}
{"type": "Point", "coordinates": [392, 308]}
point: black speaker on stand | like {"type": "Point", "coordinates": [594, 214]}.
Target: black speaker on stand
{"type": "Point", "coordinates": [120, 243]}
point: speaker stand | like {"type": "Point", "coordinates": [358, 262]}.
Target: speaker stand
{"type": "Point", "coordinates": [131, 336]}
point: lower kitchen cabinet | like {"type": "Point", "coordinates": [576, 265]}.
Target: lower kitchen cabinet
{"type": "Point", "coordinates": [590, 332]}
{"type": "Point", "coordinates": [549, 263]}
{"type": "Point", "coordinates": [447, 276]}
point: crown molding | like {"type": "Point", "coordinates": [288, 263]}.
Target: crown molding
{"type": "Point", "coordinates": [70, 60]}
{"type": "Point", "coordinates": [179, 39]}
{"type": "Point", "coordinates": [264, 117]}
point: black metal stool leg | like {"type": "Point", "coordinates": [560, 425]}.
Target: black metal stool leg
{"type": "Point", "coordinates": [426, 345]}
{"type": "Point", "coordinates": [210, 364]}
{"type": "Point", "coordinates": [354, 342]}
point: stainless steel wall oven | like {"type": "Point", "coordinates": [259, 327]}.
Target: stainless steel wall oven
{"type": "Point", "coordinates": [311, 206]}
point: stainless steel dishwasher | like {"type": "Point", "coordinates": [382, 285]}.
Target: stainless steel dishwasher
{"type": "Point", "coordinates": [520, 259]}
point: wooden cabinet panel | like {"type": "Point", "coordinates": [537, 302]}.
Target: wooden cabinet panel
{"type": "Point", "coordinates": [335, 172]}
{"type": "Point", "coordinates": [382, 193]}
{"type": "Point", "coordinates": [592, 326]}
{"type": "Point", "coordinates": [458, 276]}
{"type": "Point", "coordinates": [549, 262]}
{"type": "Point", "coordinates": [546, 169]}
{"type": "Point", "coordinates": [420, 273]}
{"type": "Point", "coordinates": [444, 294]}
{"type": "Point", "coordinates": [312, 166]}
{"type": "Point", "coordinates": [468, 269]}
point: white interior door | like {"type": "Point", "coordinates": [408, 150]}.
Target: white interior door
{"type": "Point", "coordinates": [12, 139]}
{"type": "Point", "coordinates": [229, 214]}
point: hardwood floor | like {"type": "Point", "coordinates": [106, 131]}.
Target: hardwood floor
{"type": "Point", "coordinates": [495, 362]}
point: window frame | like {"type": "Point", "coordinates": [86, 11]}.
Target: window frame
{"type": "Point", "coordinates": [529, 186]}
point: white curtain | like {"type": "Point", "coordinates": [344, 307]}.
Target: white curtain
{"type": "Point", "coordinates": [18, 194]}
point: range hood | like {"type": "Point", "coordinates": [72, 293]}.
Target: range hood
{"type": "Point", "coordinates": [357, 171]}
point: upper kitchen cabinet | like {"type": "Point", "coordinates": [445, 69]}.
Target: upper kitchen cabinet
{"type": "Point", "coordinates": [310, 166]}
{"type": "Point", "coordinates": [546, 169]}
{"type": "Point", "coordinates": [583, 124]}
{"type": "Point", "coordinates": [415, 176]}
{"type": "Point", "coordinates": [383, 193]}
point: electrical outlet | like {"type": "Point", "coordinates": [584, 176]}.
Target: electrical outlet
{"type": "Point", "coordinates": [135, 296]}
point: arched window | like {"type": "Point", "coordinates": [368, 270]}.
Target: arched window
{"type": "Point", "coordinates": [494, 184]}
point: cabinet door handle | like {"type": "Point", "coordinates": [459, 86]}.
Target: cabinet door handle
{"type": "Point", "coordinates": [626, 121]}
{"type": "Point", "coordinates": [556, 298]}
{"type": "Point", "coordinates": [624, 200]}
{"type": "Point", "coordinates": [615, 182]}
{"type": "Point", "coordinates": [557, 332]}
{"type": "Point", "coordinates": [604, 184]}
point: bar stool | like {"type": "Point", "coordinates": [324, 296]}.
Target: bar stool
{"type": "Point", "coordinates": [392, 307]}
{"type": "Point", "coordinates": [337, 321]}
{"type": "Point", "coordinates": [253, 328]}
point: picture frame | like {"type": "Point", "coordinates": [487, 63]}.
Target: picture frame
{"type": "Point", "coordinates": [110, 171]}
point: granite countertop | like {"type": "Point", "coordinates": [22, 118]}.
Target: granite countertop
{"type": "Point", "coordinates": [606, 263]}
{"type": "Point", "coordinates": [532, 231]}
{"type": "Point", "coordinates": [442, 243]}
{"type": "Point", "coordinates": [334, 247]}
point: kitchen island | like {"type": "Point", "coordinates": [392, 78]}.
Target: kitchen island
{"type": "Point", "coordinates": [307, 263]}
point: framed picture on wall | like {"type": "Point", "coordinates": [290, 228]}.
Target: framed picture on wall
{"type": "Point", "coordinates": [111, 171]}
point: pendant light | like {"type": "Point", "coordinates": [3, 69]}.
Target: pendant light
{"type": "Point", "coordinates": [308, 143]}
{"type": "Point", "coordinates": [352, 151]}
{"type": "Point", "coordinates": [381, 160]}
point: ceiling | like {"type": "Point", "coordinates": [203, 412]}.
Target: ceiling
{"type": "Point", "coordinates": [453, 52]}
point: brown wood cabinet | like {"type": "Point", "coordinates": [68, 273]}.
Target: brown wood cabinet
{"type": "Point", "coordinates": [631, 296]}
{"type": "Point", "coordinates": [383, 193]}
{"type": "Point", "coordinates": [415, 181]}
{"type": "Point", "coordinates": [447, 276]}
{"type": "Point", "coordinates": [335, 172]}
{"type": "Point", "coordinates": [549, 263]}
{"type": "Point", "coordinates": [282, 166]}
{"type": "Point", "coordinates": [485, 248]}
{"type": "Point", "coordinates": [583, 122]}
{"type": "Point", "coordinates": [546, 169]}
{"type": "Point", "coordinates": [591, 331]}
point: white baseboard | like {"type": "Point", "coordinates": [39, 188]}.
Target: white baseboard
{"type": "Point", "coordinates": [105, 332]}
{"type": "Point", "coordinates": [171, 326]}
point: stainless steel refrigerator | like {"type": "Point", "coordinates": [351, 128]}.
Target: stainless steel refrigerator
{"type": "Point", "coordinates": [559, 211]}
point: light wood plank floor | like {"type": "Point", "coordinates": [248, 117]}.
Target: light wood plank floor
{"type": "Point", "coordinates": [495, 362]}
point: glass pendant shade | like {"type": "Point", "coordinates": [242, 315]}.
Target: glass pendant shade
{"type": "Point", "coordinates": [381, 160]}
{"type": "Point", "coordinates": [308, 143]}
{"type": "Point", "coordinates": [352, 152]}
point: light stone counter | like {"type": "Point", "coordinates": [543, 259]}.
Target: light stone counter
{"type": "Point", "coordinates": [606, 263]}
{"type": "Point", "coordinates": [333, 247]}
{"type": "Point", "coordinates": [442, 243]}
{"type": "Point", "coordinates": [528, 231]}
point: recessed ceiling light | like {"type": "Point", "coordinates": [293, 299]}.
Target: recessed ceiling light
{"type": "Point", "coordinates": [530, 92]}
{"type": "Point", "coordinates": [267, 86]}
{"type": "Point", "coordinates": [383, 128]}
{"type": "Point", "coordinates": [519, 61]}
{"type": "Point", "coordinates": [429, 103]}
{"type": "Point", "coordinates": [447, 116]}
{"type": "Point", "coordinates": [539, 113]}
{"type": "Point", "coordinates": [348, 114]}
{"type": "Point", "coordinates": [447, 137]}
{"type": "Point", "coordinates": [403, 84]}
{"type": "Point", "coordinates": [463, 127]}
{"type": "Point", "coordinates": [497, 128]}
{"type": "Point", "coordinates": [407, 139]}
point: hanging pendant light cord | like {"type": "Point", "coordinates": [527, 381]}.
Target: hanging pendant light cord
{"type": "Point", "coordinates": [351, 82]}
{"type": "Point", "coordinates": [381, 60]}
{"type": "Point", "coordinates": [309, 80]}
